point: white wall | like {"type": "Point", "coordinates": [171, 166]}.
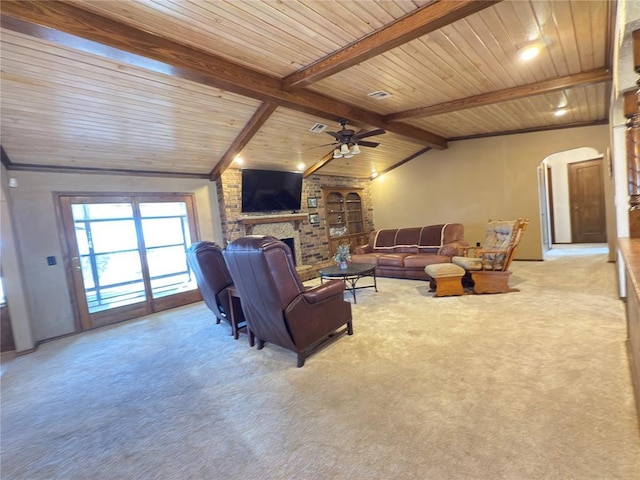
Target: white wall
{"type": "Point", "coordinates": [34, 210]}
{"type": "Point", "coordinates": [560, 187]}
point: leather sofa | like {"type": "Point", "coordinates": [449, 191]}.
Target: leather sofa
{"type": "Point", "coordinates": [404, 252]}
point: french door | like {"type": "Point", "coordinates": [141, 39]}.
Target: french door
{"type": "Point", "coordinates": [126, 254]}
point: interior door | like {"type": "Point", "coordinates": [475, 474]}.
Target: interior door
{"type": "Point", "coordinates": [126, 255]}
{"type": "Point", "coordinates": [586, 202]}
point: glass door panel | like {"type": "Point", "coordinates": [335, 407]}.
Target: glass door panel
{"type": "Point", "coordinates": [109, 257]}
{"type": "Point", "coordinates": [165, 228]}
{"type": "Point", "coordinates": [126, 255]}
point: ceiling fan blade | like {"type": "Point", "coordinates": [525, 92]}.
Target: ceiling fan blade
{"type": "Point", "coordinates": [365, 143]}
{"type": "Point", "coordinates": [335, 135]}
{"type": "Point", "coordinates": [325, 145]}
{"type": "Point", "coordinates": [377, 131]}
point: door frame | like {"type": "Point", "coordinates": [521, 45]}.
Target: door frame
{"type": "Point", "coordinates": [571, 167]}
{"type": "Point", "coordinates": [83, 320]}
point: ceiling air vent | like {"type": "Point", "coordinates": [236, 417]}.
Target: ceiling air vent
{"type": "Point", "coordinates": [318, 128]}
{"type": "Point", "coordinates": [379, 95]}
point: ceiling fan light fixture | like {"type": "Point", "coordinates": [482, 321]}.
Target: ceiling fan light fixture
{"type": "Point", "coordinates": [347, 141]}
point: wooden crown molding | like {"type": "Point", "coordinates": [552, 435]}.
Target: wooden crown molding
{"type": "Point", "coordinates": [103, 171]}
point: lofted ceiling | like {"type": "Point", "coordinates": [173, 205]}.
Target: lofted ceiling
{"type": "Point", "coordinates": [183, 88]}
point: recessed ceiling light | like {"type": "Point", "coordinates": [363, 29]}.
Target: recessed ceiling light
{"type": "Point", "coordinates": [529, 51]}
{"type": "Point", "coordinates": [301, 166]}
{"type": "Point", "coordinates": [558, 112]}
{"type": "Point", "coordinates": [239, 160]}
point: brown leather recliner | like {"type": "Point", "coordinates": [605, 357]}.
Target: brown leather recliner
{"type": "Point", "coordinates": [276, 304]}
{"type": "Point", "coordinates": [213, 278]}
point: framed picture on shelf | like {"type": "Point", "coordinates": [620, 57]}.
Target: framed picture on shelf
{"type": "Point", "coordinates": [312, 202]}
{"type": "Point", "coordinates": [314, 218]}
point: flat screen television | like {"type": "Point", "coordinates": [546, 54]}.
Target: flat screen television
{"type": "Point", "coordinates": [270, 190]}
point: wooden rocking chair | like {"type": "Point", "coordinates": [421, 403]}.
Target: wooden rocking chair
{"type": "Point", "coordinates": [488, 266]}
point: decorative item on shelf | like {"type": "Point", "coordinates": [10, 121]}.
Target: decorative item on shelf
{"type": "Point", "coordinates": [314, 218]}
{"type": "Point", "coordinates": [342, 256]}
{"type": "Point", "coordinates": [312, 202]}
{"type": "Point", "coordinates": [337, 231]}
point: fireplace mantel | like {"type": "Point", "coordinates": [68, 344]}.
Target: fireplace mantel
{"type": "Point", "coordinates": [250, 221]}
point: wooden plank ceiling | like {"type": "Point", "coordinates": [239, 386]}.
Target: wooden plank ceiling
{"type": "Point", "coordinates": [182, 88]}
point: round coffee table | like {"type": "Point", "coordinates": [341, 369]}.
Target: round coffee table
{"type": "Point", "coordinates": [351, 275]}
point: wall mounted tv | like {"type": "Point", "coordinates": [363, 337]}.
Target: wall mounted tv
{"type": "Point", "coordinates": [270, 190]}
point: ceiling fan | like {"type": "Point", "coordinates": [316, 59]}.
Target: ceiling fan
{"type": "Point", "coordinates": [348, 141]}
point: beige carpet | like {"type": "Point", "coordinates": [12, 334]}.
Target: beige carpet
{"type": "Point", "coordinates": [528, 385]}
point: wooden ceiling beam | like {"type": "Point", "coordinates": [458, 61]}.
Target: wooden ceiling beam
{"type": "Point", "coordinates": [85, 31]}
{"type": "Point", "coordinates": [252, 127]}
{"type": "Point", "coordinates": [426, 19]}
{"type": "Point", "coordinates": [403, 161]}
{"type": "Point", "coordinates": [545, 128]}
{"type": "Point", "coordinates": [318, 165]}
{"type": "Point", "coordinates": [585, 78]}
{"type": "Point", "coordinates": [4, 158]}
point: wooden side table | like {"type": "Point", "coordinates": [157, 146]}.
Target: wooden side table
{"type": "Point", "coordinates": [236, 316]}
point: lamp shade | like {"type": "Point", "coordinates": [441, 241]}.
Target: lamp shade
{"type": "Point", "coordinates": [336, 153]}
{"type": "Point", "coordinates": [344, 149]}
{"type": "Point", "coordinates": [355, 150]}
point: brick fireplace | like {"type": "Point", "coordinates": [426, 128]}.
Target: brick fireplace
{"type": "Point", "coordinates": [279, 226]}
{"type": "Point", "coordinates": [310, 240]}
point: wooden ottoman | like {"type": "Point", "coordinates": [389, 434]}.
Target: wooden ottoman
{"type": "Point", "coordinates": [447, 278]}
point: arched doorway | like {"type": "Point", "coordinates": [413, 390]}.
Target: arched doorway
{"type": "Point", "coordinates": [572, 201]}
